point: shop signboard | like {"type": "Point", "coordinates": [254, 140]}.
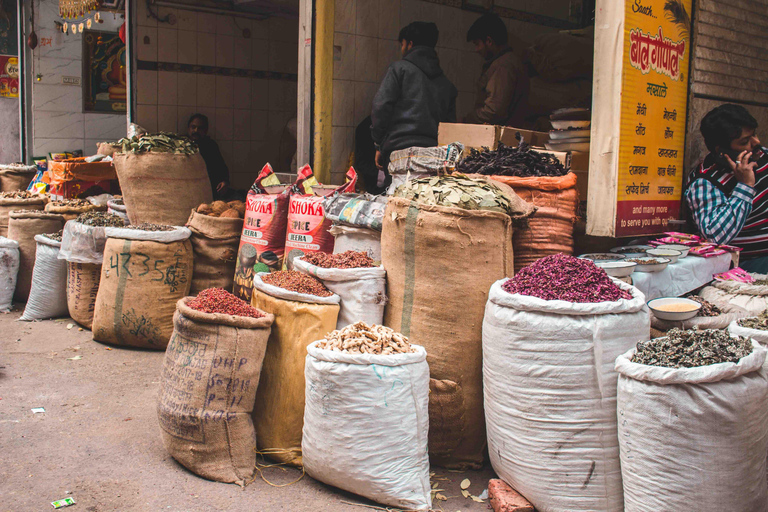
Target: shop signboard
{"type": "Point", "coordinates": [9, 76]}
{"type": "Point", "coordinates": [639, 116]}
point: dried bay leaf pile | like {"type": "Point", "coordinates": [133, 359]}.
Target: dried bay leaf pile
{"type": "Point", "coordinates": [158, 143]}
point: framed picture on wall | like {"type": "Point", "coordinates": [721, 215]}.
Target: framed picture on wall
{"type": "Point", "coordinates": [112, 5]}
{"type": "Point", "coordinates": [104, 78]}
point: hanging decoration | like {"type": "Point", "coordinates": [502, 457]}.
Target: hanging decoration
{"type": "Point", "coordinates": [73, 9]}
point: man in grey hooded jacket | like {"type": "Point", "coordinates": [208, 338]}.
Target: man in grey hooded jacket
{"type": "Point", "coordinates": [414, 97]}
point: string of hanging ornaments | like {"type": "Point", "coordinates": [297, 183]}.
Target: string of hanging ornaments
{"type": "Point", "coordinates": [74, 10]}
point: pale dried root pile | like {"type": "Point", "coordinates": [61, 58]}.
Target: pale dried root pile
{"type": "Point", "coordinates": [361, 338]}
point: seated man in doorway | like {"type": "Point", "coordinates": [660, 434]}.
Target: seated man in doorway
{"type": "Point", "coordinates": [727, 191]}
{"type": "Point", "coordinates": [504, 84]}
{"type": "Point", "coordinates": [413, 99]}
{"type": "Point", "coordinates": [218, 172]}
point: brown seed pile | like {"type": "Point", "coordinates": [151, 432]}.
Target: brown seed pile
{"type": "Point", "coordinates": [347, 259]}
{"type": "Point", "coordinates": [73, 203]}
{"type": "Point", "coordinates": [17, 194]}
{"type": "Point", "coordinates": [100, 219]}
{"type": "Point", "coordinates": [692, 348]}
{"type": "Point", "coordinates": [645, 261]}
{"type": "Point", "coordinates": [230, 210]}
{"type": "Point", "coordinates": [707, 308]}
{"type": "Point", "coordinates": [759, 322]}
{"type": "Point", "coordinates": [760, 282]}
{"type": "Point", "coordinates": [146, 226]}
{"type": "Point", "coordinates": [218, 300]}
{"type": "Point", "coordinates": [54, 236]}
{"type": "Point", "coordinates": [361, 338]}
{"type": "Point", "coordinates": [296, 281]}
{"type": "Point", "coordinates": [118, 202]}
{"type": "Point", "coordinates": [27, 210]}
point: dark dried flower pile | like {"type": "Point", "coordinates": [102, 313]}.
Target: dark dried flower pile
{"type": "Point", "coordinates": [707, 308]}
{"type": "Point", "coordinates": [692, 348]}
{"type": "Point", "coordinates": [561, 277]}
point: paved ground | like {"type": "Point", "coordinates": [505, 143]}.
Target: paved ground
{"type": "Point", "coordinates": [98, 440]}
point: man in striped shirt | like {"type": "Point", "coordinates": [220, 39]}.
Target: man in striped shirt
{"type": "Point", "coordinates": [727, 192]}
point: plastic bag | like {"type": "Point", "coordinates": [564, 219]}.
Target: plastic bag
{"type": "Point", "coordinates": [81, 243]}
{"type": "Point", "coordinates": [9, 269]}
{"type": "Point", "coordinates": [550, 393]}
{"type": "Point", "coordinates": [362, 291]}
{"type": "Point", "coordinates": [366, 425]}
{"type": "Point", "coordinates": [48, 295]}
{"type": "Point", "coordinates": [694, 438]}
{"type": "Point", "coordinates": [357, 210]}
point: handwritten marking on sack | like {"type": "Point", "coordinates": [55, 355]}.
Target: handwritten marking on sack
{"type": "Point", "coordinates": [382, 372]}
{"type": "Point", "coordinates": [321, 393]}
{"type": "Point", "coordinates": [138, 264]}
{"type": "Point", "coordinates": [78, 288]}
{"type": "Point", "coordinates": [141, 326]}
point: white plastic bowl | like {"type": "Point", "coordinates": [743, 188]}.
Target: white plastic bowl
{"type": "Point", "coordinates": [651, 267]}
{"type": "Point", "coordinates": [676, 247]}
{"type": "Point", "coordinates": [670, 254]}
{"type": "Point", "coordinates": [674, 315]}
{"type": "Point", "coordinates": [617, 268]}
{"type": "Point", "coordinates": [602, 256]}
{"type": "Point", "coordinates": [639, 251]}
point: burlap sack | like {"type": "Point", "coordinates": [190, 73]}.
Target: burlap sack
{"type": "Point", "coordinates": [141, 282]}
{"type": "Point", "coordinates": [82, 288]}
{"type": "Point", "coordinates": [278, 414]}
{"type": "Point", "coordinates": [161, 188]}
{"type": "Point", "coordinates": [7, 205]}
{"type": "Point", "coordinates": [550, 229]}
{"type": "Point", "coordinates": [215, 241]}
{"type": "Point", "coordinates": [207, 387]}
{"type": "Point", "coordinates": [12, 180]}
{"type": "Point", "coordinates": [106, 149]}
{"type": "Point", "coordinates": [421, 246]}
{"type": "Point", "coordinates": [22, 227]}
{"type": "Point", "coordinates": [72, 212]}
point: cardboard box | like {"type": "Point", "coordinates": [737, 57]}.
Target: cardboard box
{"type": "Point", "coordinates": [580, 160]}
{"type": "Point", "coordinates": [487, 135]}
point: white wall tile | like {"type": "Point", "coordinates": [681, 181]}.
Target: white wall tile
{"type": "Point", "coordinates": [186, 20]}
{"type": "Point", "coordinates": [146, 87]}
{"type": "Point", "coordinates": [167, 44]}
{"type": "Point", "coordinates": [242, 53]}
{"type": "Point", "coordinates": [260, 29]}
{"type": "Point", "coordinates": [259, 125]}
{"type": "Point", "coordinates": [146, 117]}
{"type": "Point", "coordinates": [364, 93]}
{"type": "Point", "coordinates": [342, 144]}
{"type": "Point", "coordinates": [167, 118]}
{"type": "Point", "coordinates": [167, 88]}
{"type": "Point", "coordinates": [206, 90]}
{"type": "Point", "coordinates": [367, 18]}
{"type": "Point", "coordinates": [366, 55]}
{"type": "Point", "coordinates": [283, 57]}
{"type": "Point", "coordinates": [225, 56]}
{"type": "Point", "coordinates": [389, 19]}
{"type": "Point", "coordinates": [344, 17]}
{"type": "Point", "coordinates": [105, 126]}
{"type": "Point", "coordinates": [183, 113]}
{"type": "Point", "coordinates": [224, 91]}
{"type": "Point", "coordinates": [259, 94]}
{"type": "Point", "coordinates": [242, 93]}
{"type": "Point", "coordinates": [147, 44]}
{"type": "Point", "coordinates": [241, 125]}
{"type": "Point", "coordinates": [260, 54]}
{"type": "Point", "coordinates": [224, 25]}
{"type": "Point", "coordinates": [343, 103]}
{"type": "Point", "coordinates": [187, 89]}
{"type": "Point", "coordinates": [187, 51]}
{"type": "Point", "coordinates": [283, 29]}
{"type": "Point", "coordinates": [344, 69]}
{"type": "Point", "coordinates": [388, 52]}
{"type": "Point", "coordinates": [142, 16]}
{"type": "Point", "coordinates": [56, 98]}
{"type": "Point", "coordinates": [61, 125]}
{"type": "Point", "coordinates": [43, 146]}
{"type": "Point", "coordinates": [63, 46]}
{"type": "Point", "coordinates": [206, 49]}
{"type": "Point", "coordinates": [206, 22]}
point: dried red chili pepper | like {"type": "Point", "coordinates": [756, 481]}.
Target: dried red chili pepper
{"type": "Point", "coordinates": [296, 281]}
{"type": "Point", "coordinates": [347, 259]}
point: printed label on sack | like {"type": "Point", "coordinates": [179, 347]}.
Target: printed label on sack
{"type": "Point", "coordinates": [307, 228]}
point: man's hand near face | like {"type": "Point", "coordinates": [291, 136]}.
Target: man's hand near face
{"type": "Point", "coordinates": [743, 169]}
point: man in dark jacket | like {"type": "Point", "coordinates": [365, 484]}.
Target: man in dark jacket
{"type": "Point", "coordinates": [504, 85]}
{"type": "Point", "coordinates": [414, 97]}
{"type": "Point", "coordinates": [218, 172]}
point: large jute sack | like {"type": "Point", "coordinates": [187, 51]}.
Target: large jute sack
{"type": "Point", "coordinates": [23, 226]}
{"type": "Point", "coordinates": [366, 424]}
{"type": "Point", "coordinates": [207, 387]}
{"type": "Point", "coordinates": [161, 188]}
{"type": "Point", "coordinates": [71, 212]}
{"type": "Point", "coordinates": [752, 297]}
{"type": "Point", "coordinates": [13, 178]}
{"type": "Point", "coordinates": [421, 247]}
{"type": "Point", "coordinates": [9, 270]}
{"type": "Point", "coordinates": [48, 294]}
{"type": "Point", "coordinates": [82, 288]}
{"type": "Point", "coordinates": [550, 395]}
{"type": "Point", "coordinates": [694, 438]}
{"type": "Point", "coordinates": [215, 241]}
{"type": "Point", "coordinates": [145, 274]}
{"type": "Point", "coordinates": [550, 229]}
{"type": "Point", "coordinates": [9, 204]}
{"type": "Point", "coordinates": [300, 319]}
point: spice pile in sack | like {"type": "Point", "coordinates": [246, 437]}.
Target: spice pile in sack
{"type": "Point", "coordinates": [347, 259]}
{"type": "Point", "coordinates": [361, 338]}
{"type": "Point", "coordinates": [296, 281]}
{"type": "Point", "coordinates": [100, 219]}
{"type": "Point", "coordinates": [229, 210]}
{"type": "Point", "coordinates": [218, 300]}
{"type": "Point", "coordinates": [707, 308]}
{"type": "Point", "coordinates": [159, 143]}
{"type": "Point", "coordinates": [759, 322]}
{"type": "Point", "coordinates": [308, 229]}
{"type": "Point", "coordinates": [519, 161]}
{"type": "Point", "coordinates": [566, 278]}
{"type": "Point", "coordinates": [457, 191]}
{"type": "Point", "coordinates": [262, 243]}
{"type": "Point", "coordinates": [692, 348]}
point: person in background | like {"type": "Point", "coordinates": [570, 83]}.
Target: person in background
{"type": "Point", "coordinates": [504, 84]}
{"type": "Point", "coordinates": [218, 173]}
{"type": "Point", "coordinates": [413, 99]}
{"type": "Point", "coordinates": [727, 191]}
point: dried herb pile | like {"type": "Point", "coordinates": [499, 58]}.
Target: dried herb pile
{"type": "Point", "coordinates": [707, 308]}
{"type": "Point", "coordinates": [760, 282]}
{"type": "Point", "coordinates": [146, 226]}
{"type": "Point", "coordinates": [457, 191]}
{"type": "Point", "coordinates": [17, 194]}
{"type": "Point", "coordinates": [118, 202]}
{"type": "Point", "coordinates": [296, 281]}
{"type": "Point", "coordinates": [692, 348]}
{"type": "Point", "coordinates": [347, 259]}
{"type": "Point", "coordinates": [218, 300]}
{"type": "Point", "coordinates": [520, 161]}
{"type": "Point", "coordinates": [361, 338]}
{"type": "Point", "coordinates": [561, 277]}
{"type": "Point", "coordinates": [73, 203]}
{"type": "Point", "coordinates": [644, 261]}
{"type": "Point", "coordinates": [759, 322]}
{"type": "Point", "coordinates": [158, 143]}
{"type": "Point", "coordinates": [100, 219]}
{"type": "Point", "coordinates": [56, 237]}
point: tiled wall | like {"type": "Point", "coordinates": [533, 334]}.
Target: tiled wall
{"type": "Point", "coordinates": [58, 121]}
{"type": "Point", "coordinates": [247, 115]}
{"type": "Point", "coordinates": [9, 131]}
{"type": "Point", "coordinates": [366, 44]}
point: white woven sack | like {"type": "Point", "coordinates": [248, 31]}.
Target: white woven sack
{"type": "Point", "coordinates": [118, 209]}
{"type": "Point", "coordinates": [9, 270]}
{"type": "Point", "coordinates": [756, 334]}
{"type": "Point", "coordinates": [348, 238]}
{"type": "Point", "coordinates": [363, 291]}
{"type": "Point", "coordinates": [694, 438]}
{"type": "Point", "coordinates": [48, 294]}
{"type": "Point", "coordinates": [282, 293]}
{"type": "Point", "coordinates": [366, 425]}
{"type": "Point", "coordinates": [550, 395]}
{"type": "Point", "coordinates": [753, 298]}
